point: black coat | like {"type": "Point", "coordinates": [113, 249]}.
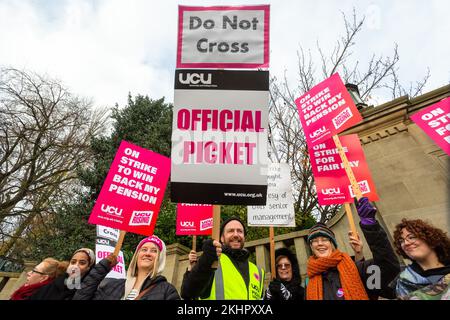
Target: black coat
{"type": "Point", "coordinates": [55, 290]}
{"type": "Point", "coordinates": [383, 257]}
{"type": "Point", "coordinates": [294, 286]}
{"type": "Point", "coordinates": [197, 283]}
{"type": "Point", "coordinates": [96, 287]}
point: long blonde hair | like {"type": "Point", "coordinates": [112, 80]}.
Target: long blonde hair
{"type": "Point", "coordinates": [156, 264]}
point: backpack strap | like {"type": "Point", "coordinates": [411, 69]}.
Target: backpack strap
{"type": "Point", "coordinates": [143, 292]}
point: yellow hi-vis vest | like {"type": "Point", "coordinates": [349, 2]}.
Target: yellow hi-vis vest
{"type": "Point", "coordinates": [228, 283]}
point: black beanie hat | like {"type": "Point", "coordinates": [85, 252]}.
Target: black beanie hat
{"type": "Point", "coordinates": [224, 223]}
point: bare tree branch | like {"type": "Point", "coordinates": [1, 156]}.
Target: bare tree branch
{"type": "Point", "coordinates": [44, 137]}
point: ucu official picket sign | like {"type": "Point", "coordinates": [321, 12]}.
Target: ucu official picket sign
{"type": "Point", "coordinates": [228, 283]}
{"type": "Point", "coordinates": [219, 137]}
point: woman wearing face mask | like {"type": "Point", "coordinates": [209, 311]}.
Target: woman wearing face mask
{"type": "Point", "coordinates": [42, 274]}
{"type": "Point", "coordinates": [333, 275]}
{"type": "Point", "coordinates": [144, 280]}
{"type": "Point", "coordinates": [65, 285]}
{"type": "Point", "coordinates": [428, 277]}
{"type": "Point", "coordinates": [287, 284]}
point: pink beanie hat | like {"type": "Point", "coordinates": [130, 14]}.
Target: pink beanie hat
{"type": "Point", "coordinates": [157, 241]}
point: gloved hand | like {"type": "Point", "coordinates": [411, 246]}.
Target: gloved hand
{"type": "Point", "coordinates": [279, 291]}
{"type": "Point", "coordinates": [112, 260]}
{"type": "Point", "coordinates": [366, 211]}
{"type": "Point", "coordinates": [285, 293]}
{"type": "Point", "coordinates": [210, 250]}
{"type": "Point", "coordinates": [275, 288]}
{"type": "Point", "coordinates": [192, 259]}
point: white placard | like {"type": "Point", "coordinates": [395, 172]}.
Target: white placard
{"type": "Point", "coordinates": [108, 233]}
{"type": "Point", "coordinates": [102, 251]}
{"type": "Point", "coordinates": [223, 37]}
{"type": "Point", "coordinates": [279, 210]}
{"type": "Point", "coordinates": [105, 245]}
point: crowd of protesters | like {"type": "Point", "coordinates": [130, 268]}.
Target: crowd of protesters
{"type": "Point", "coordinates": [224, 270]}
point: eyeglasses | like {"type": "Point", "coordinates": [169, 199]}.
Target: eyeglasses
{"type": "Point", "coordinates": [318, 240]}
{"type": "Point", "coordinates": [410, 238]}
{"type": "Point", "coordinates": [283, 266]}
{"type": "Point", "coordinates": [38, 272]}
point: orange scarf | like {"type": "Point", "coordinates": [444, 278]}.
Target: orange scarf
{"type": "Point", "coordinates": [348, 274]}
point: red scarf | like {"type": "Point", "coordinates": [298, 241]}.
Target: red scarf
{"type": "Point", "coordinates": [24, 292]}
{"type": "Point", "coordinates": [348, 274]}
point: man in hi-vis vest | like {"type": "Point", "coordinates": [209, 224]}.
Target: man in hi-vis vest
{"type": "Point", "coordinates": [235, 278]}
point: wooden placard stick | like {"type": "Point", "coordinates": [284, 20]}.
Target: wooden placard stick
{"type": "Point", "coordinates": [194, 243]}
{"type": "Point", "coordinates": [119, 243]}
{"type": "Point", "coordinates": [216, 228]}
{"type": "Point", "coordinates": [272, 252]}
{"type": "Point", "coordinates": [353, 182]}
{"type": "Point", "coordinates": [351, 222]}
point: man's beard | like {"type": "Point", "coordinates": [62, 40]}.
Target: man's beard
{"type": "Point", "coordinates": [241, 244]}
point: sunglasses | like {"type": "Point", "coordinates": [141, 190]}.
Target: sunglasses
{"type": "Point", "coordinates": [283, 265]}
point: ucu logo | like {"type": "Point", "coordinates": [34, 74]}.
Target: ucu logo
{"type": "Point", "coordinates": [331, 191]}
{"type": "Point", "coordinates": [111, 210]}
{"type": "Point", "coordinates": [318, 132]}
{"type": "Point", "coordinates": [187, 224]}
{"type": "Point", "coordinates": [195, 78]}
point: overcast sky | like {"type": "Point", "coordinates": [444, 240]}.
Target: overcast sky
{"type": "Point", "coordinates": [105, 49]}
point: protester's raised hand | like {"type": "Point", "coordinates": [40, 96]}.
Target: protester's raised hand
{"type": "Point", "coordinates": [210, 248]}
{"type": "Point", "coordinates": [356, 244]}
{"type": "Point", "coordinates": [112, 259]}
{"type": "Point", "coordinates": [275, 288]}
{"type": "Point", "coordinates": [192, 259]}
{"type": "Point", "coordinates": [218, 247]}
{"type": "Point", "coordinates": [366, 211]}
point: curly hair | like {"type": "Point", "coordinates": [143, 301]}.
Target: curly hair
{"type": "Point", "coordinates": [437, 239]}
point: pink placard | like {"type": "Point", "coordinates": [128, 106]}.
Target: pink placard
{"type": "Point", "coordinates": [133, 190]}
{"type": "Point", "coordinates": [332, 183]}
{"type": "Point", "coordinates": [326, 110]}
{"type": "Point", "coordinates": [215, 37]}
{"type": "Point", "coordinates": [435, 121]}
{"type": "Point", "coordinates": [194, 219]}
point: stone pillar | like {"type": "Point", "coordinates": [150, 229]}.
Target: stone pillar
{"type": "Point", "coordinates": [263, 260]}
{"type": "Point", "coordinates": [302, 252]}
{"type": "Point", "coordinates": [174, 251]}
